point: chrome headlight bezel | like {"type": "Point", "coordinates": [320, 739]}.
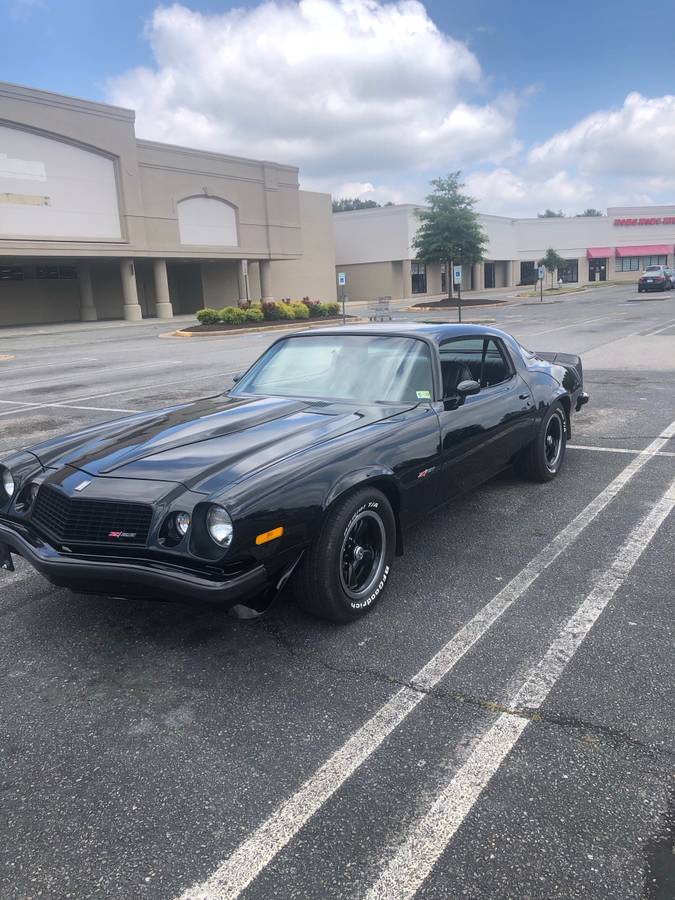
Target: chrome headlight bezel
{"type": "Point", "coordinates": [219, 526]}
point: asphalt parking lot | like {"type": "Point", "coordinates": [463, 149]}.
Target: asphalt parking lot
{"type": "Point", "coordinates": [501, 727]}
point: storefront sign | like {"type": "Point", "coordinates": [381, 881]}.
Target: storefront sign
{"type": "Point", "coordinates": [650, 220]}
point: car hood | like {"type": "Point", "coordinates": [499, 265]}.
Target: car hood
{"type": "Point", "coordinates": [185, 444]}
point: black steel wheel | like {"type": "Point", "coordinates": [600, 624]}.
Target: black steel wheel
{"type": "Point", "coordinates": [542, 459]}
{"type": "Point", "coordinates": [346, 569]}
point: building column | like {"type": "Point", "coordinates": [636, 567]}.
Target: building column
{"type": "Point", "coordinates": [266, 279]}
{"type": "Point", "coordinates": [87, 305]}
{"type": "Point", "coordinates": [132, 309]}
{"type": "Point", "coordinates": [163, 307]}
{"type": "Point", "coordinates": [477, 277]}
{"type": "Point", "coordinates": [242, 273]}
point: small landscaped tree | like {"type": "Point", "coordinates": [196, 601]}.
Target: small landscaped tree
{"type": "Point", "coordinates": [449, 230]}
{"type": "Point", "coordinates": [551, 262]}
{"type": "Point", "coordinates": [346, 204]}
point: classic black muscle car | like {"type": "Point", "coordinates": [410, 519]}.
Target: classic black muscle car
{"type": "Point", "coordinates": [312, 465]}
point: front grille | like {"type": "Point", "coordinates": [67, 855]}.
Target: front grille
{"type": "Point", "coordinates": [79, 521]}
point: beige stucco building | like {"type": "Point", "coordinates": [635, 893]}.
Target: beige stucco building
{"type": "Point", "coordinates": [374, 248]}
{"type": "Point", "coordinates": [96, 224]}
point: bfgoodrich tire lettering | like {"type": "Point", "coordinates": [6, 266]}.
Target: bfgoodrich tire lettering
{"type": "Point", "coordinates": [347, 568]}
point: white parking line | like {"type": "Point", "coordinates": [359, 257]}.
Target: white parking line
{"type": "Point", "coordinates": [428, 838]}
{"type": "Point", "coordinates": [66, 402]}
{"type": "Point", "coordinates": [659, 330]}
{"type": "Point", "coordinates": [28, 407]}
{"type": "Point", "coordinates": [617, 450]}
{"type": "Point", "coordinates": [249, 859]}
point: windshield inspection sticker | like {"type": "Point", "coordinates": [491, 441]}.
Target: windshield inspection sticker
{"type": "Point", "coordinates": [423, 395]}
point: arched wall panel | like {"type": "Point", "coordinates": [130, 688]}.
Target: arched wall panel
{"type": "Point", "coordinates": [54, 190]}
{"type": "Point", "coordinates": [207, 222]}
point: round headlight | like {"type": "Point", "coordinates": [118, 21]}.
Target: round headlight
{"type": "Point", "coordinates": [182, 521]}
{"type": "Point", "coordinates": [8, 482]}
{"type": "Point", "coordinates": [219, 526]}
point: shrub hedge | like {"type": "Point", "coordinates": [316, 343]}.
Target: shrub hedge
{"type": "Point", "coordinates": [270, 311]}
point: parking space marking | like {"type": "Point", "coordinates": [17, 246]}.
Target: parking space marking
{"type": "Point", "coordinates": [30, 407]}
{"type": "Point", "coordinates": [617, 450]}
{"type": "Point", "coordinates": [429, 837]}
{"type": "Point", "coordinates": [575, 324]}
{"type": "Point", "coordinates": [255, 853]}
{"type": "Point", "coordinates": [659, 330]}
{"type": "Point", "coordinates": [67, 403]}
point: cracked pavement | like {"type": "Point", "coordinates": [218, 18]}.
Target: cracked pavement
{"type": "Point", "coordinates": [142, 743]}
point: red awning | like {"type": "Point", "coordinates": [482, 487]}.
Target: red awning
{"type": "Point", "coordinates": [653, 250]}
{"type": "Point", "coordinates": [599, 252]}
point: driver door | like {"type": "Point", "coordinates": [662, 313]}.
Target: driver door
{"type": "Point", "coordinates": [481, 433]}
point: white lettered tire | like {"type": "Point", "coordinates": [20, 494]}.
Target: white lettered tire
{"type": "Point", "coordinates": [346, 570]}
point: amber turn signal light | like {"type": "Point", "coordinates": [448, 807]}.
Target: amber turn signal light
{"type": "Point", "coordinates": [269, 535]}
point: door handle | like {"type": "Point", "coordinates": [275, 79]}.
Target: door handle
{"type": "Point", "coordinates": [523, 396]}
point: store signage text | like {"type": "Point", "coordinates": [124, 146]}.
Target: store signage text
{"type": "Point", "coordinates": [652, 220]}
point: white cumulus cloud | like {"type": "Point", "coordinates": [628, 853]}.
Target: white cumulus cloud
{"type": "Point", "coordinates": [347, 89]}
{"type": "Point", "coordinates": [633, 141]}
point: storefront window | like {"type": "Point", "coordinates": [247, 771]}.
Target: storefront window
{"type": "Point", "coordinates": [569, 272]}
{"type": "Point", "coordinates": [638, 263]}
{"type": "Point", "coordinates": [654, 261]}
{"type": "Point", "coordinates": [627, 263]}
{"type": "Point", "coordinates": [418, 272]}
{"type": "Point", "coordinates": [528, 273]}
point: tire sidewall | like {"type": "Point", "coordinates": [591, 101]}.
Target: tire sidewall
{"type": "Point", "coordinates": [555, 410]}
{"type": "Point", "coordinates": [338, 527]}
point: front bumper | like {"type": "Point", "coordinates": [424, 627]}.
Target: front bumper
{"type": "Point", "coordinates": [143, 579]}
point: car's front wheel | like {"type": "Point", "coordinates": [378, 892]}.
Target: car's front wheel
{"type": "Point", "coordinates": [346, 569]}
{"type": "Point", "coordinates": [543, 458]}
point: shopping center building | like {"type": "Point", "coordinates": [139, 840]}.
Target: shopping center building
{"type": "Point", "coordinates": [96, 224]}
{"type": "Point", "coordinates": [374, 247]}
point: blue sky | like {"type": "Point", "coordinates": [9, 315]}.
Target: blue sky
{"type": "Point", "coordinates": [502, 91]}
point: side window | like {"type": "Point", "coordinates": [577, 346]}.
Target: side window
{"type": "Point", "coordinates": [461, 360]}
{"type": "Point", "coordinates": [495, 367]}
{"type": "Point", "coordinates": [476, 359]}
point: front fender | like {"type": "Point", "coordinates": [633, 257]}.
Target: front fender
{"type": "Point", "coordinates": [354, 479]}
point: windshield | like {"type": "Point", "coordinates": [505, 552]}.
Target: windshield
{"type": "Point", "coordinates": [370, 368]}
{"type": "Point", "coordinates": [653, 268]}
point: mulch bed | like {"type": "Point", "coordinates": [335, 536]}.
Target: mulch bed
{"type": "Point", "coordinates": [222, 327]}
{"type": "Point", "coordinates": [453, 304]}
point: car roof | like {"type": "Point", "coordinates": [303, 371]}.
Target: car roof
{"type": "Point", "coordinates": [437, 332]}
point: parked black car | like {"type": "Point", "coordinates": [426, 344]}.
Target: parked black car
{"type": "Point", "coordinates": [655, 278]}
{"type": "Point", "coordinates": [313, 465]}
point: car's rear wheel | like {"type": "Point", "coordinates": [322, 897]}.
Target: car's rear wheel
{"type": "Point", "coordinates": [346, 569]}
{"type": "Point", "coordinates": [543, 458]}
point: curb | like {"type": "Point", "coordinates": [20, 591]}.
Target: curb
{"type": "Point", "coordinates": [292, 326]}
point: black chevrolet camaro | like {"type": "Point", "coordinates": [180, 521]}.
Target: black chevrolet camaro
{"type": "Point", "coordinates": [313, 466]}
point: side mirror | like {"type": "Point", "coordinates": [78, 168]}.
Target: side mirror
{"type": "Point", "coordinates": [468, 388]}
{"type": "Point", "coordinates": [463, 390]}
{"type": "Point", "coordinates": [238, 377]}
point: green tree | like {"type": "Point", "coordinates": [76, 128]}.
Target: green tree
{"type": "Point", "coordinates": [449, 231]}
{"type": "Point", "coordinates": [551, 214]}
{"type": "Point", "coordinates": [590, 212]}
{"type": "Point", "coordinates": [551, 262]}
{"type": "Point", "coordinates": [344, 204]}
